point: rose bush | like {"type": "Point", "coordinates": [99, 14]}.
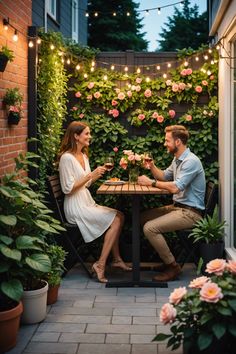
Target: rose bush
{"type": "Point", "coordinates": [205, 314]}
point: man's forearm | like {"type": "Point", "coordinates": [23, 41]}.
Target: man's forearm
{"type": "Point", "coordinates": [157, 173]}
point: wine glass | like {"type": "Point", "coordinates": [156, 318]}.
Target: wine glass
{"type": "Point", "coordinates": [109, 163]}
{"type": "Point", "coordinates": [148, 159]}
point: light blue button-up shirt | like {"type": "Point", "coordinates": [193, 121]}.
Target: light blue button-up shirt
{"type": "Point", "coordinates": [189, 176]}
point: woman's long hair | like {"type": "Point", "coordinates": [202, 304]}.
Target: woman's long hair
{"type": "Point", "coordinates": [68, 142]}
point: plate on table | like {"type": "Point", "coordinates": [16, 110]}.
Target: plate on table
{"type": "Point", "coordinates": [114, 183]}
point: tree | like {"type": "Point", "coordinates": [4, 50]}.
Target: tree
{"type": "Point", "coordinates": [186, 28]}
{"type": "Point", "coordinates": [115, 33]}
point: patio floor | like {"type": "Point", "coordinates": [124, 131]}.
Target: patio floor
{"type": "Point", "coordinates": [89, 318]}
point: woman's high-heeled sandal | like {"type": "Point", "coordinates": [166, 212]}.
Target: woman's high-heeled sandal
{"type": "Point", "coordinates": [99, 269]}
{"type": "Point", "coordinates": [119, 263]}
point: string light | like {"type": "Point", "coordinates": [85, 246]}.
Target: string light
{"type": "Point", "coordinates": [15, 36]}
{"type": "Point", "coordinates": [138, 71]}
{"type": "Point", "coordinates": [186, 63]}
{"type": "Point", "coordinates": [112, 67]}
{"type": "Point", "coordinates": [52, 46]}
{"type": "Point", "coordinates": [31, 44]}
{"type": "Point", "coordinates": [39, 40]}
{"type": "Point", "coordinates": [77, 67]}
{"type": "Point", "coordinates": [159, 11]}
{"type": "Point", "coordinates": [126, 68]}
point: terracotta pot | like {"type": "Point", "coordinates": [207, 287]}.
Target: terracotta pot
{"type": "Point", "coordinates": [9, 326]}
{"type": "Point", "coordinates": [52, 294]}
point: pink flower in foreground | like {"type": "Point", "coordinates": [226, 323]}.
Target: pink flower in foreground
{"type": "Point", "coordinates": [204, 82]}
{"type": "Point", "coordinates": [137, 157]}
{"type": "Point", "coordinates": [175, 87]}
{"type": "Point", "coordinates": [148, 93]}
{"type": "Point", "coordinates": [131, 157]}
{"type": "Point", "coordinates": [184, 72]}
{"type": "Point", "coordinates": [114, 103]}
{"type": "Point", "coordinates": [155, 115]}
{"type": "Point", "coordinates": [160, 119]}
{"type": "Point", "coordinates": [217, 266]}
{"type": "Point", "coordinates": [198, 282]}
{"type": "Point", "coordinates": [231, 266]}
{"type": "Point", "coordinates": [138, 80]}
{"type": "Point", "coordinates": [168, 313]}
{"type": "Point", "coordinates": [90, 85]}
{"type": "Point", "coordinates": [115, 149]}
{"type": "Point", "coordinates": [198, 89]}
{"type": "Point", "coordinates": [141, 116]}
{"type": "Point", "coordinates": [211, 292]}
{"type": "Point", "coordinates": [81, 115]}
{"type": "Point", "coordinates": [182, 86]}
{"type": "Point", "coordinates": [188, 117]}
{"type": "Point", "coordinates": [177, 295]}
{"type": "Point", "coordinates": [129, 94]}
{"type": "Point", "coordinates": [115, 113]}
{"type": "Point", "coordinates": [189, 71]}
{"type": "Point", "coordinates": [97, 94]}
{"type": "Point", "coordinates": [128, 152]}
{"type": "Point", "coordinates": [123, 163]}
{"type": "Point", "coordinates": [78, 94]}
{"type": "Point", "coordinates": [121, 95]}
{"type": "Point", "coordinates": [171, 113]}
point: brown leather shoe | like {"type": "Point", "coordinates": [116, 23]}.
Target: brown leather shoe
{"type": "Point", "coordinates": [170, 273]}
{"type": "Point", "coordinates": [160, 267]}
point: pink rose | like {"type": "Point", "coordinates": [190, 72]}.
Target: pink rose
{"type": "Point", "coordinates": [204, 82]}
{"type": "Point", "coordinates": [123, 163]}
{"type": "Point", "coordinates": [198, 89]}
{"type": "Point", "coordinates": [177, 295]}
{"type": "Point", "coordinates": [175, 87]}
{"type": "Point", "coordinates": [188, 117]}
{"type": "Point", "coordinates": [211, 292]}
{"type": "Point", "coordinates": [81, 115]}
{"type": "Point", "coordinates": [90, 85]}
{"type": "Point", "coordinates": [189, 71]}
{"type": "Point", "coordinates": [78, 94]}
{"type": "Point", "coordinates": [217, 266]}
{"type": "Point", "coordinates": [168, 313]}
{"type": "Point", "coordinates": [155, 115]}
{"type": "Point", "coordinates": [148, 93]}
{"type": "Point", "coordinates": [198, 282]}
{"type": "Point", "coordinates": [212, 77]}
{"type": "Point", "coordinates": [74, 108]}
{"type": "Point", "coordinates": [183, 72]}
{"type": "Point", "coordinates": [115, 149]}
{"type": "Point", "coordinates": [182, 86]}
{"type": "Point", "coordinates": [133, 87]}
{"type": "Point", "coordinates": [138, 80]}
{"type": "Point", "coordinates": [129, 94]}
{"type": "Point", "coordinates": [97, 94]}
{"type": "Point", "coordinates": [138, 88]}
{"type": "Point", "coordinates": [115, 113]}
{"type": "Point", "coordinates": [127, 152]}
{"type": "Point", "coordinates": [114, 103]}
{"type": "Point", "coordinates": [121, 95]}
{"type": "Point", "coordinates": [171, 113]}
{"type": "Point", "coordinates": [89, 97]}
{"type": "Point", "coordinates": [160, 119]}
{"type": "Point", "coordinates": [110, 111]}
{"type": "Point", "coordinates": [141, 116]}
{"type": "Point", "coordinates": [131, 157]}
{"type": "Point", "coordinates": [137, 157]}
{"type": "Point", "coordinates": [231, 266]}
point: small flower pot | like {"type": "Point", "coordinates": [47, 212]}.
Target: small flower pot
{"type": "Point", "coordinates": [13, 118]}
{"type": "Point", "coordinates": [3, 62]}
{"type": "Point", "coordinates": [52, 294]}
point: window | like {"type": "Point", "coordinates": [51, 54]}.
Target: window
{"type": "Point", "coordinates": [52, 8]}
{"type": "Point", "coordinates": [75, 20]}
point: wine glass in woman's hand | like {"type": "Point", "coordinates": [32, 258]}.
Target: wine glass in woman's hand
{"type": "Point", "coordinates": [109, 163]}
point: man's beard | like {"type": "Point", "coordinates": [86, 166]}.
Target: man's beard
{"type": "Point", "coordinates": [173, 151]}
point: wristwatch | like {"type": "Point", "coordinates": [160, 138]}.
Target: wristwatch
{"type": "Point", "coordinates": [154, 183]}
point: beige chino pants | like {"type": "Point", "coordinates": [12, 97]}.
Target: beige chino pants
{"type": "Point", "coordinates": [166, 219]}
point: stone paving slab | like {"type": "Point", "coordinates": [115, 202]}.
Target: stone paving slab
{"type": "Point", "coordinates": [89, 318]}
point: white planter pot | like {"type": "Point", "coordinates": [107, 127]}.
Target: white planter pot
{"type": "Point", "coordinates": [34, 305]}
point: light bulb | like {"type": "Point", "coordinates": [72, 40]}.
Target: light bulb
{"type": "Point", "coordinates": [169, 65]}
{"type": "Point", "coordinates": [15, 36]}
{"type": "Point", "coordinates": [158, 67]}
{"type": "Point", "coordinates": [31, 44]}
{"type": "Point", "coordinates": [186, 63]}
{"type": "Point", "coordinates": [128, 14]}
{"type": "Point", "coordinates": [85, 76]}
{"type": "Point", "coordinates": [147, 79]}
{"type": "Point", "coordinates": [52, 47]}
{"type": "Point", "coordinates": [126, 68]}
{"type": "Point", "coordinates": [197, 59]}
{"type": "Point", "coordinates": [77, 67]}
{"type": "Point", "coordinates": [96, 14]}
{"type": "Point", "coordinates": [68, 61]}
{"type": "Point", "coordinates": [138, 71]}
{"type": "Point", "coordinates": [112, 67]}
{"type": "Point", "coordinates": [87, 14]}
{"type": "Point", "coordinates": [114, 14]}
{"type": "Point", "coordinates": [164, 76]}
{"type": "Point", "coordinates": [39, 40]}
{"type": "Point", "coordinates": [105, 77]}
{"type": "Point", "coordinates": [159, 11]}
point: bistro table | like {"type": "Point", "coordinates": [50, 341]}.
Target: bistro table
{"type": "Point", "coordinates": [135, 191]}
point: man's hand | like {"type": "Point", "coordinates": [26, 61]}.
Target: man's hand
{"type": "Point", "coordinates": [144, 181]}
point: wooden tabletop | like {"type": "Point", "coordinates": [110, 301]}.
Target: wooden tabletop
{"type": "Point", "coordinates": [129, 188]}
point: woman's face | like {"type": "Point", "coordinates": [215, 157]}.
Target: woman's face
{"type": "Point", "coordinates": [83, 138]}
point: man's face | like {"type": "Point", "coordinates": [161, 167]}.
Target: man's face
{"type": "Point", "coordinates": [171, 144]}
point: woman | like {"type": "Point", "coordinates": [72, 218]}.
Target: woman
{"type": "Point", "coordinates": [93, 220]}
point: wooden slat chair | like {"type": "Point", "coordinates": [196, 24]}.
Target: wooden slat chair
{"type": "Point", "coordinates": [188, 248]}
{"type": "Point", "coordinates": [71, 240]}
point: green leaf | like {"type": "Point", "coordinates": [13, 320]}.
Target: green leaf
{"type": "Point", "coordinates": [45, 226]}
{"type": "Point", "coordinates": [39, 261]}
{"type": "Point", "coordinates": [204, 340]}
{"type": "Point", "coordinates": [161, 336]}
{"type": "Point", "coordinates": [27, 242]}
{"type": "Point", "coordinates": [232, 329]}
{"type": "Point", "coordinates": [11, 253]}
{"type": "Point", "coordinates": [219, 329]}
{"type": "Point", "coordinates": [225, 311]}
{"type": "Point", "coordinates": [5, 239]}
{"type": "Point", "coordinates": [9, 220]}
{"type": "Point", "coordinates": [13, 289]}
{"type": "Point", "coordinates": [232, 304]}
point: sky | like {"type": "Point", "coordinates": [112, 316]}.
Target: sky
{"type": "Point", "coordinates": [153, 22]}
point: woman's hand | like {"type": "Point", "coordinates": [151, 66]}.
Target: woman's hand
{"type": "Point", "coordinates": [98, 172]}
{"type": "Point", "coordinates": [144, 181]}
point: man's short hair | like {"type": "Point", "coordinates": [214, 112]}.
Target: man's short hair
{"type": "Point", "coordinates": [178, 132]}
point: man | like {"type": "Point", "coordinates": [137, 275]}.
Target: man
{"type": "Point", "coordinates": [185, 179]}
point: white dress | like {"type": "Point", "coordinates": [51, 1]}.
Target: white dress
{"type": "Point", "coordinates": [80, 208]}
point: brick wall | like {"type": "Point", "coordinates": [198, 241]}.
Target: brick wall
{"type": "Point", "coordinates": [13, 137]}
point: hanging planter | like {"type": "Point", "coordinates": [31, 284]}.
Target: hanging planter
{"type": "Point", "coordinates": [13, 118]}
{"type": "Point", "coordinates": [13, 100]}
{"type": "Point", "coordinates": [5, 56]}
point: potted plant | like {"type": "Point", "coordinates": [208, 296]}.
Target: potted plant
{"type": "Point", "coordinates": [6, 55]}
{"type": "Point", "coordinates": [13, 101]}
{"type": "Point", "coordinates": [203, 318]}
{"type": "Point", "coordinates": [209, 233]}
{"type": "Point", "coordinates": [57, 257]}
{"type": "Point", "coordinates": [25, 223]}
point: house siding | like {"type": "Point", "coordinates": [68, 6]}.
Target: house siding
{"type": "Point", "coordinates": [13, 138]}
